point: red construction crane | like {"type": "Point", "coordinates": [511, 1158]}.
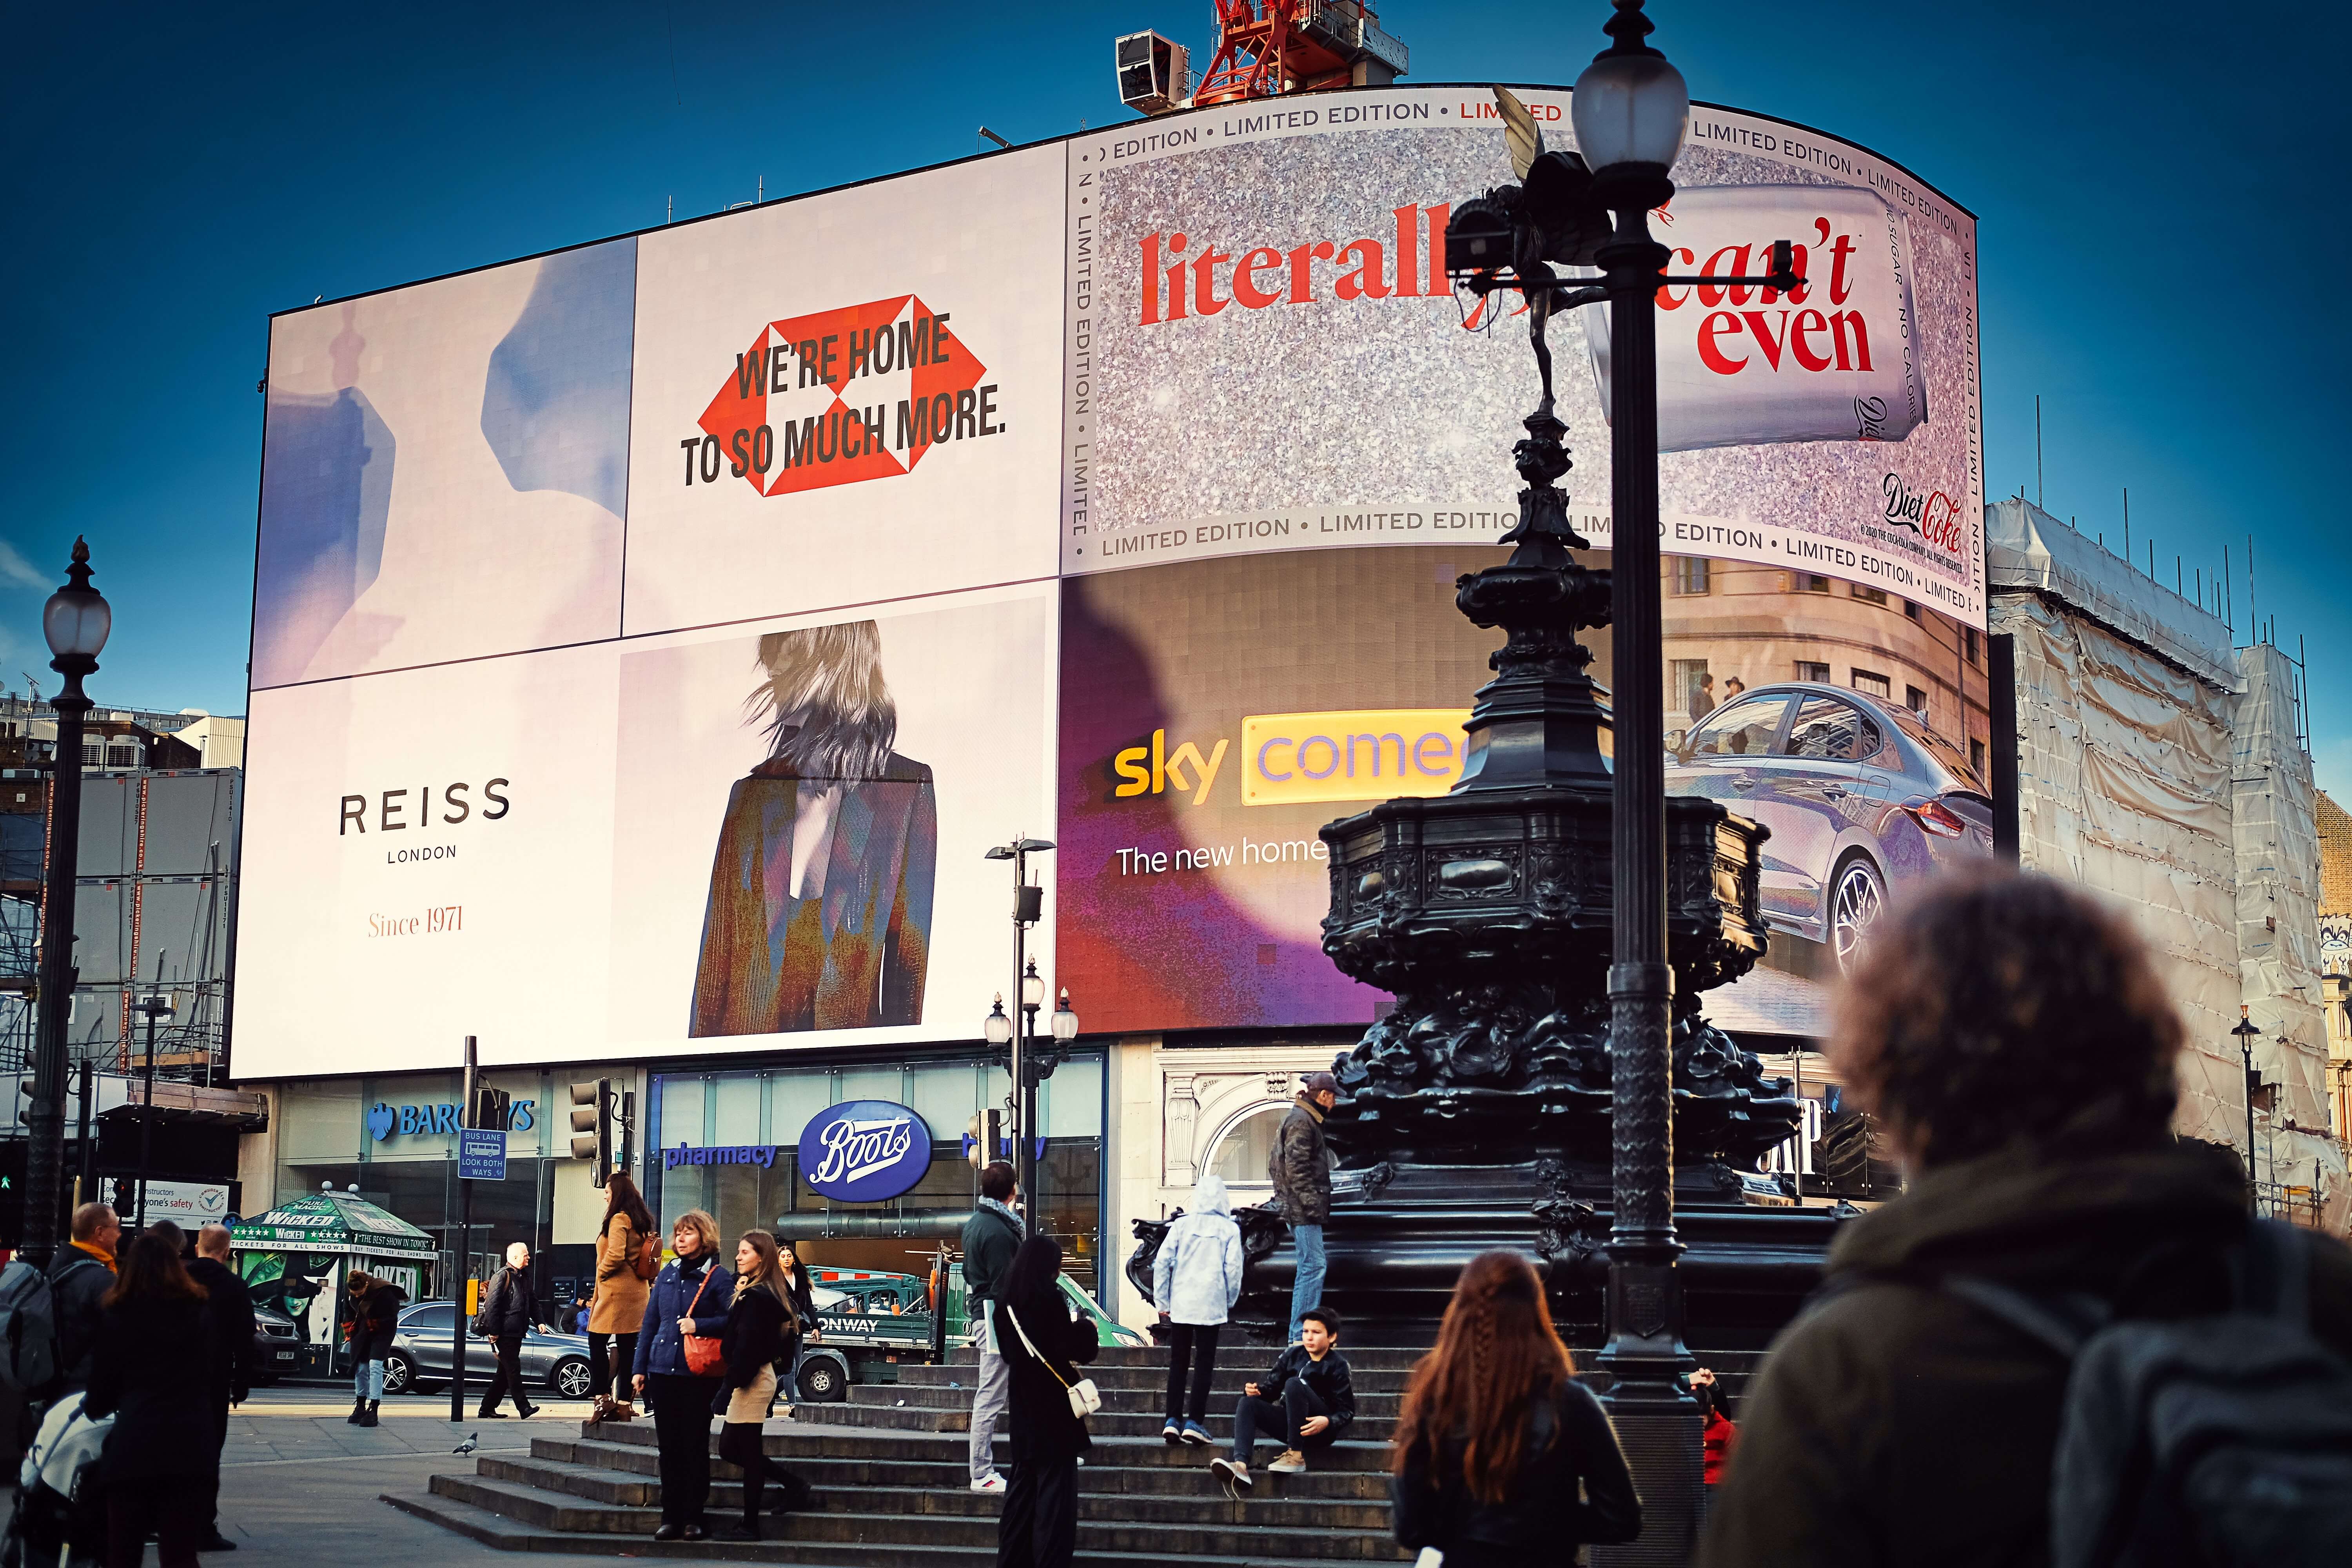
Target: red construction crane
{"type": "Point", "coordinates": [1266, 47]}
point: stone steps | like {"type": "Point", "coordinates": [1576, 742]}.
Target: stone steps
{"type": "Point", "coordinates": [1111, 1421]}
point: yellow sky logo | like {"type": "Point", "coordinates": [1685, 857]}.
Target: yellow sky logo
{"type": "Point", "coordinates": [1293, 759]}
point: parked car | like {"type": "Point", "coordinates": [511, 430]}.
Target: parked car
{"type": "Point", "coordinates": [276, 1345]}
{"type": "Point", "coordinates": [871, 1321]}
{"type": "Point", "coordinates": [1861, 795]}
{"type": "Point", "coordinates": [420, 1354]}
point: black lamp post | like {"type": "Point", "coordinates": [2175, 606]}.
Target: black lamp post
{"type": "Point", "coordinates": [75, 622]}
{"type": "Point", "coordinates": [1028, 907]}
{"type": "Point", "coordinates": [2247, 1034]}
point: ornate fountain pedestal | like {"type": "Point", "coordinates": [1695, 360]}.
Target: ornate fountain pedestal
{"type": "Point", "coordinates": [1477, 1113]}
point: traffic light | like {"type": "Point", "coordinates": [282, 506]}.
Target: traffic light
{"type": "Point", "coordinates": [603, 1116]}
{"type": "Point", "coordinates": [491, 1110]}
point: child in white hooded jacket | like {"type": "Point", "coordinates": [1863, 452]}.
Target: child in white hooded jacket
{"type": "Point", "coordinates": [1196, 1278]}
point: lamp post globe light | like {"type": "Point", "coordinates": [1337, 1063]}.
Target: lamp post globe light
{"type": "Point", "coordinates": [2247, 1034]}
{"type": "Point", "coordinates": [75, 622]}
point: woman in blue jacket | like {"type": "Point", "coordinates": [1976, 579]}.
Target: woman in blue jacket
{"type": "Point", "coordinates": [689, 1296]}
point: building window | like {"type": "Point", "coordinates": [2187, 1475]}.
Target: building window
{"type": "Point", "coordinates": [1688, 683]}
{"type": "Point", "coordinates": [1917, 700]}
{"type": "Point", "coordinates": [1867, 596]}
{"type": "Point", "coordinates": [1242, 1155]}
{"type": "Point", "coordinates": [1968, 642]}
{"type": "Point", "coordinates": [1817, 673]}
{"type": "Point", "coordinates": [1910, 611]}
{"type": "Point", "coordinates": [1807, 582]}
{"type": "Point", "coordinates": [1690, 574]}
{"type": "Point", "coordinates": [1976, 757]}
{"type": "Point", "coordinates": [1870, 681]}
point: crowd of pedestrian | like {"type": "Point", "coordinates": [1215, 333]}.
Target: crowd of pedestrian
{"type": "Point", "coordinates": [1917, 1411]}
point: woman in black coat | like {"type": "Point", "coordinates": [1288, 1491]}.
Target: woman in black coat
{"type": "Point", "coordinates": [1502, 1458]}
{"type": "Point", "coordinates": [158, 1459]}
{"type": "Point", "coordinates": [1042, 1343]}
{"type": "Point", "coordinates": [792, 1279]}
{"type": "Point", "coordinates": [760, 1331]}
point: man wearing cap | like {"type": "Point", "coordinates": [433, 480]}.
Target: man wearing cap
{"type": "Point", "coordinates": [1302, 1183]}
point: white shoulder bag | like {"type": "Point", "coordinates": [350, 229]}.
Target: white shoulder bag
{"type": "Point", "coordinates": [1084, 1397]}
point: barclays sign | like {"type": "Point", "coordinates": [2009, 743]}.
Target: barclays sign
{"type": "Point", "coordinates": [864, 1151]}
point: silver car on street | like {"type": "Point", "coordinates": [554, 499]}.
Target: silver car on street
{"type": "Point", "coordinates": [420, 1355]}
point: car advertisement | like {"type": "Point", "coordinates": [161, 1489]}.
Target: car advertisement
{"type": "Point", "coordinates": [1216, 713]}
{"type": "Point", "coordinates": [650, 638]}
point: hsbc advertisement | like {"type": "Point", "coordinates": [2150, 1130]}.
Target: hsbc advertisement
{"type": "Point", "coordinates": [651, 638]}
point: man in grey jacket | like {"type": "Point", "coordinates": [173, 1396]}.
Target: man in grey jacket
{"type": "Point", "coordinates": [991, 1237]}
{"type": "Point", "coordinates": [1301, 1170]}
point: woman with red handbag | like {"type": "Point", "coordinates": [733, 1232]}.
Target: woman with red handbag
{"type": "Point", "coordinates": [679, 1366]}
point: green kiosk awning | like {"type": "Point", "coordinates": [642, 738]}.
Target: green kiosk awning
{"type": "Point", "coordinates": [335, 1222]}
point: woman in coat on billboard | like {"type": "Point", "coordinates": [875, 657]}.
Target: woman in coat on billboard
{"type": "Point", "coordinates": [761, 1330]}
{"type": "Point", "coordinates": [1042, 1343]}
{"type": "Point", "coordinates": [626, 1250]}
{"type": "Point", "coordinates": [820, 911]}
{"type": "Point", "coordinates": [690, 1296]}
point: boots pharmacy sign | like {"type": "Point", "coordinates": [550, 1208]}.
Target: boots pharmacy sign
{"type": "Point", "coordinates": [864, 1151]}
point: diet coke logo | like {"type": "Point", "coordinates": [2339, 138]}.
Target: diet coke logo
{"type": "Point", "coordinates": [1934, 516]}
{"type": "Point", "coordinates": [864, 1151]}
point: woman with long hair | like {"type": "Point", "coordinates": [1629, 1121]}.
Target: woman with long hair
{"type": "Point", "coordinates": [792, 1279]}
{"type": "Point", "coordinates": [146, 1372]}
{"type": "Point", "coordinates": [1498, 1439]}
{"type": "Point", "coordinates": [760, 1328]}
{"type": "Point", "coordinates": [689, 1299]}
{"type": "Point", "coordinates": [628, 1257]}
{"type": "Point", "coordinates": [1042, 1342]}
{"type": "Point", "coordinates": [820, 908]}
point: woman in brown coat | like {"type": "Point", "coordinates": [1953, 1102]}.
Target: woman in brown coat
{"type": "Point", "coordinates": [620, 1303]}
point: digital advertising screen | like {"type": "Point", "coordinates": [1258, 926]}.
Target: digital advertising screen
{"type": "Point", "coordinates": [651, 638]}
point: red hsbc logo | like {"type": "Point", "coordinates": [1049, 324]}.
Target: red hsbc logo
{"type": "Point", "coordinates": [860, 393]}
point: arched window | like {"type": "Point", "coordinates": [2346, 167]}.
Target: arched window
{"type": "Point", "coordinates": [1247, 1146]}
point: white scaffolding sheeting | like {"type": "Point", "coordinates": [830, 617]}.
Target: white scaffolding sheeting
{"type": "Point", "coordinates": [2162, 767]}
{"type": "Point", "coordinates": [2277, 831]}
{"type": "Point", "coordinates": [2122, 786]}
{"type": "Point", "coordinates": [2025, 547]}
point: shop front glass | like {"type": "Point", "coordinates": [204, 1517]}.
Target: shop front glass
{"type": "Point", "coordinates": [765, 1112]}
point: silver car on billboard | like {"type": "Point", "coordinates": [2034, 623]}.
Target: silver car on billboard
{"type": "Point", "coordinates": [1861, 797]}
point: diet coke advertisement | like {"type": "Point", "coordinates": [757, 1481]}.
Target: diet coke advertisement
{"type": "Point", "coordinates": [1262, 351]}
{"type": "Point", "coordinates": [1836, 359]}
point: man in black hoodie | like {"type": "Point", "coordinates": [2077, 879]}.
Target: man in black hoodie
{"type": "Point", "coordinates": [230, 1305]}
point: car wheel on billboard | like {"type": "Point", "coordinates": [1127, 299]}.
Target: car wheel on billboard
{"type": "Point", "coordinates": [398, 1373]}
{"type": "Point", "coordinates": [1857, 898]}
{"type": "Point", "coordinates": [571, 1378]}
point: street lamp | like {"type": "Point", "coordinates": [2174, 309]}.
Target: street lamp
{"type": "Point", "coordinates": [2247, 1034]}
{"type": "Point", "coordinates": [75, 622]}
{"type": "Point", "coordinates": [1028, 906]}
{"type": "Point", "coordinates": [1630, 112]}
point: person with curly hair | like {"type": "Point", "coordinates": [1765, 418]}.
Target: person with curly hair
{"type": "Point", "coordinates": [2014, 1041]}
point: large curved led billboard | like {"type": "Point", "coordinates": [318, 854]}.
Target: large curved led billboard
{"type": "Point", "coordinates": [651, 638]}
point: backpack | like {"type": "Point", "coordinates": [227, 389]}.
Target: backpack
{"type": "Point", "coordinates": [2223, 1441]}
{"type": "Point", "coordinates": [29, 1329]}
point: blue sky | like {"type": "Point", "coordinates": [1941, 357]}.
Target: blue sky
{"type": "Point", "coordinates": [2161, 196]}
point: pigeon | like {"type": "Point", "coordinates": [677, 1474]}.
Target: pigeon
{"type": "Point", "coordinates": [473, 1441]}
